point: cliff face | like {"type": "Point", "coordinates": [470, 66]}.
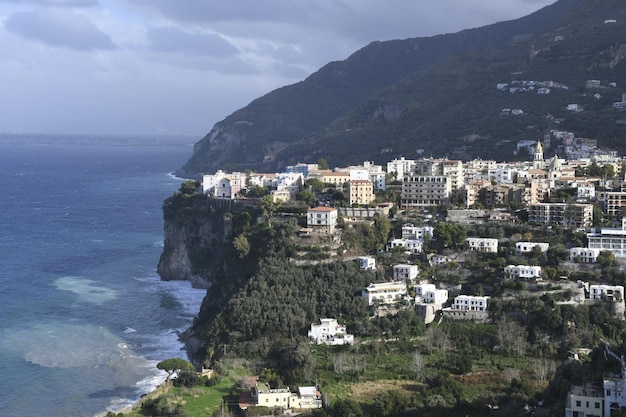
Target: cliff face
{"type": "Point", "coordinates": [194, 237]}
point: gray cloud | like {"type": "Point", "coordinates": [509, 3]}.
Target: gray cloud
{"type": "Point", "coordinates": [57, 3]}
{"type": "Point", "coordinates": [184, 65]}
{"type": "Point", "coordinates": [68, 30]}
{"type": "Point", "coordinates": [171, 39]}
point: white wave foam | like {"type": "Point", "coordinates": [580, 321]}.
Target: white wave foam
{"type": "Point", "coordinates": [85, 289]}
{"type": "Point", "coordinates": [189, 298]}
{"type": "Point", "coordinates": [64, 345]}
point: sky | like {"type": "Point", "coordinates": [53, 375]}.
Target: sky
{"type": "Point", "coordinates": [180, 66]}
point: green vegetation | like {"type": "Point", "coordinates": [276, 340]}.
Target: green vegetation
{"type": "Point", "coordinates": [266, 298]}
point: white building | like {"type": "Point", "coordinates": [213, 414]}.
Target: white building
{"type": "Point", "coordinates": [400, 168]}
{"type": "Point", "coordinates": [523, 248]}
{"type": "Point", "coordinates": [210, 181]}
{"type": "Point", "coordinates": [585, 255]}
{"type": "Point", "coordinates": [470, 303]}
{"type": "Point", "coordinates": [410, 231]}
{"type": "Point", "coordinates": [609, 239]}
{"type": "Point", "coordinates": [608, 292]}
{"type": "Point", "coordinates": [283, 398]}
{"type": "Point", "coordinates": [502, 174]}
{"type": "Point", "coordinates": [480, 244]}
{"type": "Point", "coordinates": [413, 246]}
{"type": "Point", "coordinates": [366, 262]}
{"type": "Point", "coordinates": [586, 400]}
{"type": "Point", "coordinates": [402, 272]}
{"type": "Point", "coordinates": [385, 293]}
{"type": "Point", "coordinates": [614, 395]}
{"type": "Point", "coordinates": [291, 181]}
{"type": "Point", "coordinates": [586, 191]}
{"type": "Point", "coordinates": [429, 294]}
{"type": "Point", "coordinates": [322, 219]}
{"type": "Point", "coordinates": [229, 186]}
{"type": "Point", "coordinates": [522, 271]}
{"type": "Point", "coordinates": [329, 332]}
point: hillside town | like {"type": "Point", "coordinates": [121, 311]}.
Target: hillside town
{"type": "Point", "coordinates": [584, 192]}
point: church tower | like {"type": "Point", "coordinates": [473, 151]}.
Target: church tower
{"type": "Point", "coordinates": [538, 162]}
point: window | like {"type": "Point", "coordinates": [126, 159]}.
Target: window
{"type": "Point", "coordinates": [578, 403]}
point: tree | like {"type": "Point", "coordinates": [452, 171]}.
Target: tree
{"type": "Point", "coordinates": [306, 196]}
{"type": "Point", "coordinates": [322, 163]}
{"type": "Point", "coordinates": [268, 206]}
{"type": "Point", "coordinates": [174, 365]}
{"type": "Point", "coordinates": [418, 365]}
{"type": "Point", "coordinates": [606, 259]}
{"type": "Point", "coordinates": [315, 185]}
{"type": "Point", "coordinates": [512, 337]}
{"type": "Point", "coordinates": [242, 246]}
{"type": "Point", "coordinates": [189, 187]}
{"type": "Point", "coordinates": [447, 233]}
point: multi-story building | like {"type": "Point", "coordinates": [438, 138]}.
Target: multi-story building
{"type": "Point", "coordinates": [338, 179]}
{"type": "Point", "coordinates": [614, 204]}
{"type": "Point", "coordinates": [366, 262]}
{"type": "Point", "coordinates": [522, 271]}
{"type": "Point", "coordinates": [399, 168]}
{"type": "Point", "coordinates": [414, 246]}
{"type": "Point", "coordinates": [210, 181]}
{"type": "Point", "coordinates": [360, 192]}
{"type": "Point", "coordinates": [564, 214]}
{"type": "Point", "coordinates": [473, 190]}
{"type": "Point", "coordinates": [429, 294]}
{"type": "Point", "coordinates": [402, 272]}
{"type": "Point", "coordinates": [524, 248]}
{"type": "Point", "coordinates": [499, 195]}
{"type": "Point", "coordinates": [482, 244]}
{"type": "Point", "coordinates": [229, 186]}
{"type": "Point", "coordinates": [442, 167]}
{"type": "Point", "coordinates": [608, 292]}
{"type": "Point", "coordinates": [470, 303]}
{"type": "Point", "coordinates": [291, 182]}
{"type": "Point", "coordinates": [420, 191]}
{"type": "Point", "coordinates": [609, 239]}
{"type": "Point", "coordinates": [583, 401]}
{"type": "Point", "coordinates": [586, 191]}
{"type": "Point", "coordinates": [322, 219]}
{"type": "Point", "coordinates": [385, 293]}
{"type": "Point", "coordinates": [584, 255]}
{"type": "Point", "coordinates": [478, 169]}
{"type": "Point", "coordinates": [330, 332]}
{"type": "Point", "coordinates": [410, 231]}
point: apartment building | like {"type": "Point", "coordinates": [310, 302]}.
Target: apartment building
{"type": "Point", "coordinates": [481, 244]}
{"type": "Point", "coordinates": [563, 214]}
{"type": "Point", "coordinates": [360, 192]}
{"type": "Point", "coordinates": [385, 293]}
{"type": "Point", "coordinates": [402, 272]}
{"type": "Point", "coordinates": [421, 191]}
{"type": "Point", "coordinates": [584, 255]}
{"type": "Point", "coordinates": [609, 239]}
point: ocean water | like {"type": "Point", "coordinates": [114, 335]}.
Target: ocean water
{"type": "Point", "coordinates": [84, 318]}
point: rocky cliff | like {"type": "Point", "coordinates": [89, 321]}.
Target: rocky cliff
{"type": "Point", "coordinates": [194, 237]}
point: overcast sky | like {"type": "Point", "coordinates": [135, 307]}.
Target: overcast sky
{"type": "Point", "coordinates": [180, 66]}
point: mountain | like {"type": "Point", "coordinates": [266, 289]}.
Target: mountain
{"type": "Point", "coordinates": [438, 95]}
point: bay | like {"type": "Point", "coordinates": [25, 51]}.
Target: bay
{"type": "Point", "coordinates": [84, 318]}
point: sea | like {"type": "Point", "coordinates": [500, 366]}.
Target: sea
{"type": "Point", "coordinates": [84, 317]}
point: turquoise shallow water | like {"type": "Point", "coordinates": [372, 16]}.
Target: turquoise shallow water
{"type": "Point", "coordinates": [83, 315]}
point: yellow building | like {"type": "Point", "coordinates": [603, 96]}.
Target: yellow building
{"type": "Point", "coordinates": [360, 192]}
